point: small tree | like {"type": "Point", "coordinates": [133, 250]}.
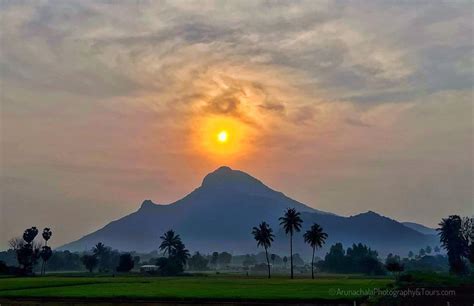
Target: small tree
{"type": "Point", "coordinates": [393, 264]}
{"type": "Point", "coordinates": [428, 250]}
{"type": "Point", "coordinates": [315, 237]}
{"type": "Point", "coordinates": [291, 223]}
{"type": "Point", "coordinates": [126, 263]}
{"type": "Point", "coordinates": [90, 261]}
{"type": "Point", "coordinates": [263, 234]}
{"type": "Point", "coordinates": [46, 251]}
{"type": "Point", "coordinates": [45, 255]}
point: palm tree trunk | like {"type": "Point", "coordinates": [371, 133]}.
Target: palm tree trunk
{"type": "Point", "coordinates": [291, 254]}
{"type": "Point", "coordinates": [312, 265]}
{"type": "Point", "coordinates": [268, 262]}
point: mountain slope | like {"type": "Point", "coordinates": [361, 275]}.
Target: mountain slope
{"type": "Point", "coordinates": [421, 228]}
{"type": "Point", "coordinates": [220, 214]}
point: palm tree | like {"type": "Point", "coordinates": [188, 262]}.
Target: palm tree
{"type": "Point", "coordinates": [180, 252]}
{"type": "Point", "coordinates": [315, 237]}
{"type": "Point", "coordinates": [263, 234]}
{"type": "Point", "coordinates": [451, 237]}
{"type": "Point", "coordinates": [170, 242]}
{"type": "Point", "coordinates": [291, 222]}
{"type": "Point", "coordinates": [45, 253]}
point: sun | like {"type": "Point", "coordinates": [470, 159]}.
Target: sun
{"type": "Point", "coordinates": [222, 136]}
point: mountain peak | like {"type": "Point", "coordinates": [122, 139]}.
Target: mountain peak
{"type": "Point", "coordinates": [227, 178]}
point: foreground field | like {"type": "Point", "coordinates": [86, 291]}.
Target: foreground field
{"type": "Point", "coordinates": [189, 288]}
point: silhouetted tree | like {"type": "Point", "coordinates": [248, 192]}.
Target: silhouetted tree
{"type": "Point", "coordinates": [410, 254]}
{"type": "Point", "coordinates": [126, 263]}
{"type": "Point", "coordinates": [198, 262]}
{"type": "Point", "coordinates": [215, 259]}
{"type": "Point", "coordinates": [46, 252]}
{"type": "Point", "coordinates": [90, 261]}
{"type": "Point", "coordinates": [224, 258]}
{"type": "Point", "coordinates": [437, 249]}
{"type": "Point", "coordinates": [169, 242]}
{"type": "Point", "coordinates": [291, 222]}
{"type": "Point", "coordinates": [104, 256]}
{"type": "Point", "coordinates": [27, 251]}
{"type": "Point", "coordinates": [421, 252]}
{"type": "Point", "coordinates": [45, 255]}
{"type": "Point", "coordinates": [285, 260]}
{"type": "Point", "coordinates": [315, 237]}
{"type": "Point", "coordinates": [263, 234]}
{"type": "Point", "coordinates": [453, 240]}
{"type": "Point", "coordinates": [393, 264]}
{"type": "Point", "coordinates": [428, 250]}
{"type": "Point", "coordinates": [273, 257]}
{"type": "Point", "coordinates": [177, 254]}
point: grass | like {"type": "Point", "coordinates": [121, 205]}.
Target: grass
{"type": "Point", "coordinates": [207, 287]}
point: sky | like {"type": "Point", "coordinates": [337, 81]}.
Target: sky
{"type": "Point", "coordinates": [346, 106]}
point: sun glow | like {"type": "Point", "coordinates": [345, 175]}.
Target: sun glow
{"type": "Point", "coordinates": [221, 137]}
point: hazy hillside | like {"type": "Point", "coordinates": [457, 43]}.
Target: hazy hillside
{"type": "Point", "coordinates": [220, 214]}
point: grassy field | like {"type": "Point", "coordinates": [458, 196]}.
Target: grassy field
{"type": "Point", "coordinates": [197, 287]}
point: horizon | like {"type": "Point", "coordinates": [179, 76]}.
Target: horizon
{"type": "Point", "coordinates": [106, 104]}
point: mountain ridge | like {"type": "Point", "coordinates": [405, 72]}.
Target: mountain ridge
{"type": "Point", "coordinates": [219, 215]}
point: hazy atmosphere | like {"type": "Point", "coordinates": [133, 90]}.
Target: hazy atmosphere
{"type": "Point", "coordinates": [344, 108]}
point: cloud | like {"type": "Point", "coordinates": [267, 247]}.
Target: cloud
{"type": "Point", "coordinates": [352, 90]}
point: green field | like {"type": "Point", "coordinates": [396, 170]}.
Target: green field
{"type": "Point", "coordinates": [192, 288]}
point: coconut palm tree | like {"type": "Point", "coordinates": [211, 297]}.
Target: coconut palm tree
{"type": "Point", "coordinates": [315, 237]}
{"type": "Point", "coordinates": [170, 242]}
{"type": "Point", "coordinates": [291, 222]}
{"type": "Point", "coordinates": [452, 239]}
{"type": "Point", "coordinates": [263, 234]}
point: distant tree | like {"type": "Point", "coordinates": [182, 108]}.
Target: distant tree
{"type": "Point", "coordinates": [291, 222]}
{"type": "Point", "coordinates": [126, 263]}
{"type": "Point", "coordinates": [46, 252]}
{"type": "Point", "coordinates": [437, 249]}
{"type": "Point", "coordinates": [177, 254]}
{"type": "Point", "coordinates": [422, 252]}
{"type": "Point", "coordinates": [335, 260]}
{"type": "Point", "coordinates": [27, 250]}
{"type": "Point", "coordinates": [198, 262]}
{"type": "Point", "coordinates": [103, 254]}
{"type": "Point", "coordinates": [224, 258]}
{"type": "Point", "coordinates": [315, 237]}
{"type": "Point", "coordinates": [455, 243]}
{"type": "Point", "coordinates": [393, 264]}
{"type": "Point", "coordinates": [249, 260]}
{"type": "Point", "coordinates": [410, 254]}
{"type": "Point", "coordinates": [263, 234]}
{"type": "Point", "coordinates": [285, 260]}
{"type": "Point", "coordinates": [47, 233]}
{"type": "Point", "coordinates": [169, 242]}
{"type": "Point", "coordinates": [215, 259]}
{"type": "Point", "coordinates": [273, 257]}
{"type": "Point", "coordinates": [45, 255]}
{"type": "Point", "coordinates": [428, 250]}
{"type": "Point", "coordinates": [90, 261]}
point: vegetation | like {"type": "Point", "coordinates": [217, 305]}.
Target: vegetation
{"type": "Point", "coordinates": [315, 237]}
{"type": "Point", "coordinates": [457, 237]}
{"type": "Point", "coordinates": [263, 234]}
{"type": "Point", "coordinates": [172, 245]}
{"type": "Point", "coordinates": [186, 288]}
{"type": "Point", "coordinates": [126, 263]}
{"type": "Point", "coordinates": [358, 259]}
{"type": "Point", "coordinates": [291, 222]}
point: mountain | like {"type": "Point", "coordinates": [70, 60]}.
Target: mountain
{"type": "Point", "coordinates": [219, 216]}
{"type": "Point", "coordinates": [421, 228]}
